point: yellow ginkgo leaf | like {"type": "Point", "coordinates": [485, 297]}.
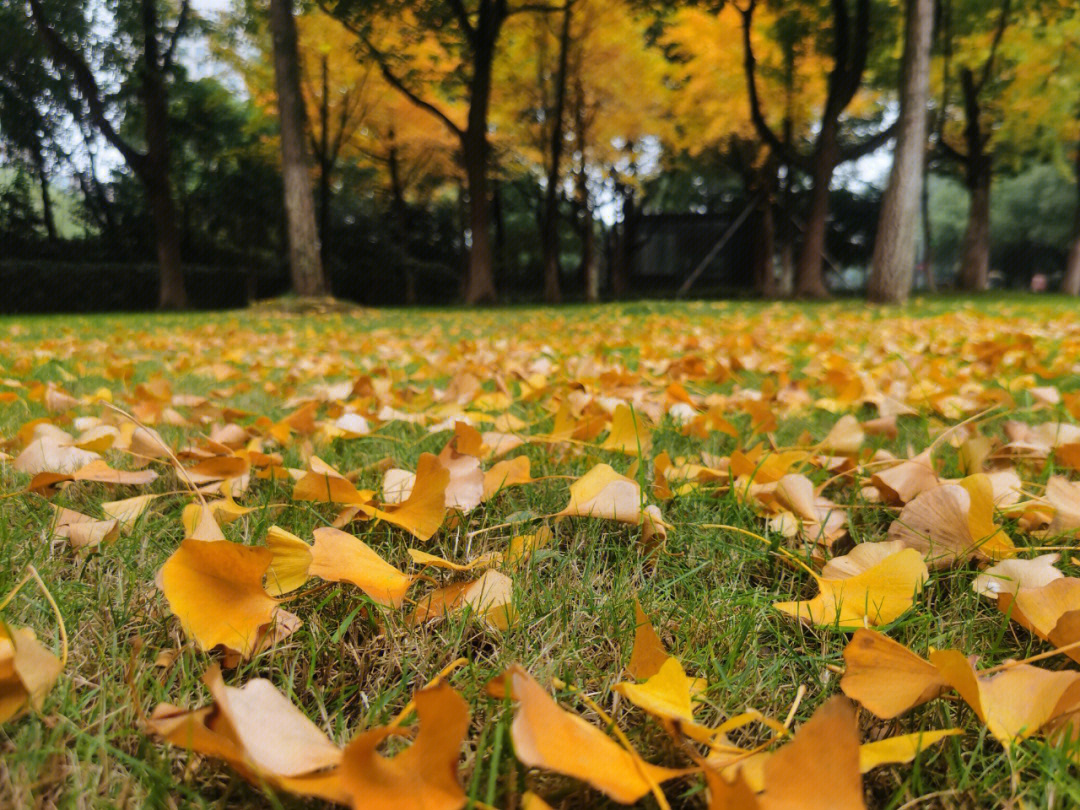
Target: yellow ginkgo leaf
{"type": "Point", "coordinates": [509, 473]}
{"type": "Point", "coordinates": [603, 493]}
{"type": "Point", "coordinates": [665, 694]}
{"type": "Point", "coordinates": [340, 557]}
{"type": "Point", "coordinates": [548, 737]}
{"type": "Point", "coordinates": [215, 590]}
{"type": "Point", "coordinates": [629, 433]}
{"type": "Point", "coordinates": [1015, 703]}
{"type": "Point", "coordinates": [290, 567]}
{"type": "Point", "coordinates": [876, 596]}
{"type": "Point", "coordinates": [422, 513]}
{"type": "Point", "coordinates": [27, 671]}
{"type": "Point", "coordinates": [424, 775]}
{"type": "Point", "coordinates": [128, 510]}
{"type": "Point", "coordinates": [886, 677]}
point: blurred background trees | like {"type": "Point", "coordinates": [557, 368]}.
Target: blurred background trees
{"type": "Point", "coordinates": [506, 149]}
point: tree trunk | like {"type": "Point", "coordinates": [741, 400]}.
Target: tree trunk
{"type": "Point", "coordinates": [1070, 285]}
{"type": "Point", "coordinates": [550, 235]}
{"type": "Point", "coordinates": [809, 282]}
{"type": "Point", "coordinates": [171, 292]}
{"type": "Point", "coordinates": [46, 198]}
{"type": "Point", "coordinates": [895, 244]}
{"type": "Point", "coordinates": [763, 247]}
{"type": "Point", "coordinates": [304, 264]}
{"type": "Point", "coordinates": [400, 212]}
{"type": "Point", "coordinates": [480, 281]}
{"type": "Point", "coordinates": [155, 169]}
{"type": "Point", "coordinates": [927, 232]}
{"type": "Point", "coordinates": [624, 246]}
{"type": "Point", "coordinates": [325, 167]}
{"type": "Point", "coordinates": [975, 261]}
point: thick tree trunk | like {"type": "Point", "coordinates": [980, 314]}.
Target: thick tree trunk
{"type": "Point", "coordinates": [895, 244]}
{"type": "Point", "coordinates": [896, 241]}
{"type": "Point", "coordinates": [809, 282]}
{"type": "Point", "coordinates": [305, 266]}
{"type": "Point", "coordinates": [171, 292]}
{"type": "Point", "coordinates": [763, 247]}
{"type": "Point", "coordinates": [1070, 285]}
{"type": "Point", "coordinates": [480, 280]}
{"type": "Point", "coordinates": [155, 169]}
{"type": "Point", "coordinates": [975, 258]}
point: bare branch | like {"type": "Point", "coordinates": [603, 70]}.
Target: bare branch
{"type": "Point", "coordinates": [876, 141]}
{"type": "Point", "coordinates": [458, 7]}
{"type": "Point", "coordinates": [999, 32]}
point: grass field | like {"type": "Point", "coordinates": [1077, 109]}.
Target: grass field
{"type": "Point", "coordinates": [709, 592]}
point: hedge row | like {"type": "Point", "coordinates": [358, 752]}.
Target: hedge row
{"type": "Point", "coordinates": [38, 286]}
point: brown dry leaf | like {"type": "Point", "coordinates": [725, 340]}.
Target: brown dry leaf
{"type": "Point", "coordinates": [603, 493]}
{"type": "Point", "coordinates": [28, 671]}
{"type": "Point", "coordinates": [340, 557]}
{"type": "Point", "coordinates": [886, 677]}
{"type": "Point", "coordinates": [422, 513]}
{"type": "Point", "coordinates": [875, 596]}
{"type": "Point", "coordinates": [425, 775]}
{"type": "Point", "coordinates": [490, 597]}
{"type": "Point", "coordinates": [629, 433]}
{"type": "Point", "coordinates": [1009, 576]}
{"type": "Point", "coordinates": [509, 473]}
{"type": "Point", "coordinates": [548, 737]}
{"type": "Point", "coordinates": [953, 522]}
{"type": "Point", "coordinates": [907, 479]}
{"type": "Point", "coordinates": [1015, 703]}
{"type": "Point", "coordinates": [215, 590]}
{"type": "Point", "coordinates": [262, 736]}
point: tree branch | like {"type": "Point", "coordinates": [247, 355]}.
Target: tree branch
{"type": "Point", "coordinates": [467, 28]}
{"type": "Point", "coordinates": [857, 150]}
{"type": "Point", "coordinates": [87, 86]}
{"type": "Point", "coordinates": [181, 22]}
{"type": "Point", "coordinates": [756, 115]}
{"type": "Point", "coordinates": [393, 79]}
{"type": "Point", "coordinates": [999, 32]}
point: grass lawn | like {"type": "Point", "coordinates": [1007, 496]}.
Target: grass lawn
{"type": "Point", "coordinates": [709, 592]}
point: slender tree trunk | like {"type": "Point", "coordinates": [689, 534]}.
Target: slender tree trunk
{"type": "Point", "coordinates": [1071, 283]}
{"type": "Point", "coordinates": [809, 282]}
{"type": "Point", "coordinates": [624, 246]}
{"type": "Point", "coordinates": [400, 212]}
{"type": "Point", "coordinates": [975, 258]}
{"type": "Point", "coordinates": [550, 236]}
{"type": "Point", "coordinates": [304, 264]}
{"type": "Point", "coordinates": [325, 167]}
{"type": "Point", "coordinates": [895, 244]}
{"type": "Point", "coordinates": [927, 229]}
{"type": "Point", "coordinates": [589, 265]}
{"type": "Point", "coordinates": [501, 257]}
{"type": "Point", "coordinates": [46, 198]}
